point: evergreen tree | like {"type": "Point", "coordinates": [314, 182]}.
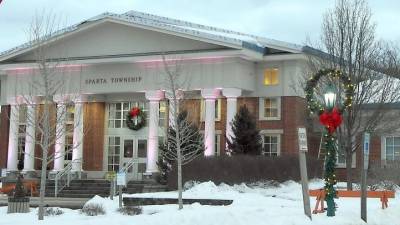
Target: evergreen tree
{"type": "Point", "coordinates": [192, 145]}
{"type": "Point", "coordinates": [246, 139]}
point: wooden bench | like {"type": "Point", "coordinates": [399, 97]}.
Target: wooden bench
{"type": "Point", "coordinates": [320, 197]}
{"type": "Point", "coordinates": [29, 185]}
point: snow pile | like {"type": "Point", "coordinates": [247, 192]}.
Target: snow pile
{"type": "Point", "coordinates": [258, 203]}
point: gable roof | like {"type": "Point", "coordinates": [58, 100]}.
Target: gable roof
{"type": "Point", "coordinates": [231, 38]}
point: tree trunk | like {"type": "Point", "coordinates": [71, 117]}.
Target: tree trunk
{"type": "Point", "coordinates": [349, 162]}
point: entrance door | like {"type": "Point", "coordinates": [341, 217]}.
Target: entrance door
{"type": "Point", "coordinates": [134, 150]}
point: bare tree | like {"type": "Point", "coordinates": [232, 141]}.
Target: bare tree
{"type": "Point", "coordinates": [48, 79]}
{"type": "Point", "coordinates": [184, 143]}
{"type": "Point", "coordinates": [348, 43]}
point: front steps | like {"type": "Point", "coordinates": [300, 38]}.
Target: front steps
{"type": "Point", "coordinates": [90, 188]}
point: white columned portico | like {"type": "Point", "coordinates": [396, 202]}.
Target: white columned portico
{"type": "Point", "coordinates": [77, 149]}
{"type": "Point", "coordinates": [12, 157]}
{"type": "Point", "coordinates": [154, 98]}
{"type": "Point", "coordinates": [30, 142]}
{"type": "Point", "coordinates": [59, 147]}
{"type": "Point", "coordinates": [231, 95]}
{"type": "Point", "coordinates": [209, 126]}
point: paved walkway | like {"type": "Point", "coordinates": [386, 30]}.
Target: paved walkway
{"type": "Point", "coordinates": [72, 203]}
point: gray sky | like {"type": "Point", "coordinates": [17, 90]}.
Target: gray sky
{"type": "Point", "coordinates": [286, 20]}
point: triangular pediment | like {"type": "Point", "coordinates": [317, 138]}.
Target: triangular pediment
{"type": "Point", "coordinates": [109, 38]}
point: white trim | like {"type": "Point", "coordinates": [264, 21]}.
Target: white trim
{"type": "Point", "coordinates": [261, 108]}
{"type": "Point", "coordinates": [269, 133]}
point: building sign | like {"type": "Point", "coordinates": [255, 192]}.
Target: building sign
{"type": "Point", "coordinates": [113, 80]}
{"type": "Point", "coordinates": [302, 139]}
{"type": "Point", "coordinates": [121, 178]}
{"type": "Point", "coordinates": [366, 143]}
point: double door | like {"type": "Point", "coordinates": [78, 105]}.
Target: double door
{"type": "Point", "coordinates": [127, 150]}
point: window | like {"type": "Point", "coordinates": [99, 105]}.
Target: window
{"type": "Point", "coordinates": [217, 147]}
{"type": "Point", "coordinates": [271, 77]}
{"type": "Point", "coordinates": [270, 108]}
{"type": "Point", "coordinates": [217, 110]}
{"type": "Point", "coordinates": [117, 113]}
{"type": "Point", "coordinates": [162, 120]}
{"type": "Point", "coordinates": [392, 148]}
{"type": "Point", "coordinates": [341, 157]}
{"type": "Point", "coordinates": [69, 132]}
{"type": "Point", "coordinates": [271, 144]}
{"type": "Point", "coordinates": [114, 148]}
{"type": "Point", "coordinates": [22, 131]}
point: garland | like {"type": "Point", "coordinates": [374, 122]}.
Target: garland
{"type": "Point", "coordinates": [331, 121]}
{"type": "Point", "coordinates": [135, 119]}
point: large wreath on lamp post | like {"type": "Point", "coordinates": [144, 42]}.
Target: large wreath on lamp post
{"type": "Point", "coordinates": [331, 118]}
{"type": "Point", "coordinates": [135, 119]}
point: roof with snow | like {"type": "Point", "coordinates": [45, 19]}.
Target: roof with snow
{"type": "Point", "coordinates": [242, 40]}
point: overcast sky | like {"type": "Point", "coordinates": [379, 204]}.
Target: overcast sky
{"type": "Point", "coordinates": [286, 20]}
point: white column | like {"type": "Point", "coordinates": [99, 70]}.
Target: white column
{"type": "Point", "coordinates": [152, 142]}
{"type": "Point", "coordinates": [209, 134]}
{"type": "Point", "coordinates": [12, 158]}
{"type": "Point", "coordinates": [231, 95]}
{"type": "Point", "coordinates": [77, 137]}
{"type": "Point", "coordinates": [29, 154]}
{"type": "Point", "coordinates": [59, 147]}
{"type": "Point", "coordinates": [172, 107]}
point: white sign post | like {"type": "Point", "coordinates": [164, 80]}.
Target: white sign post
{"type": "Point", "coordinates": [121, 181]}
{"type": "Point", "coordinates": [303, 170]}
{"type": "Point", "coordinates": [365, 159]}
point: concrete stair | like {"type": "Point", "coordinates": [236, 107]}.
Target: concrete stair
{"type": "Point", "coordinates": [90, 188]}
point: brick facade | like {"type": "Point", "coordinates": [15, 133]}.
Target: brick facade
{"type": "Point", "coordinates": [4, 132]}
{"type": "Point", "coordinates": [93, 140]}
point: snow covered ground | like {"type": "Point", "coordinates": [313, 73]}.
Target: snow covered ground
{"type": "Point", "coordinates": [251, 206]}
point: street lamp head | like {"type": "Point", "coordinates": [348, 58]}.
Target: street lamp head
{"type": "Point", "coordinates": [330, 97]}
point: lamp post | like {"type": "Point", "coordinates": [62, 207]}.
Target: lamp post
{"type": "Point", "coordinates": [330, 116]}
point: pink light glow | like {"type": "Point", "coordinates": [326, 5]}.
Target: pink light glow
{"type": "Point", "coordinates": [30, 70]}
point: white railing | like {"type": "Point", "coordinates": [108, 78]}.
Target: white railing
{"type": "Point", "coordinates": [63, 178]}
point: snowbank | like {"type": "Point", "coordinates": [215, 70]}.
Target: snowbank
{"type": "Point", "coordinates": [253, 204]}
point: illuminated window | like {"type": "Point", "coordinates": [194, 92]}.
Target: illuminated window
{"type": "Point", "coordinates": [271, 77]}
{"type": "Point", "coordinates": [117, 113]}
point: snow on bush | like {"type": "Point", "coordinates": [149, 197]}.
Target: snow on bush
{"type": "Point", "coordinates": [130, 210]}
{"type": "Point", "coordinates": [53, 211]}
{"type": "Point", "coordinates": [93, 209]}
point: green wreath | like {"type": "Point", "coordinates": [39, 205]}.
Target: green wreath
{"type": "Point", "coordinates": [136, 119]}
{"type": "Point", "coordinates": [314, 105]}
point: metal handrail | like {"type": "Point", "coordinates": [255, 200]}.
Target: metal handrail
{"type": "Point", "coordinates": [60, 176]}
{"type": "Point", "coordinates": [128, 165]}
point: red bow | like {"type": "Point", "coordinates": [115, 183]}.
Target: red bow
{"type": "Point", "coordinates": [134, 112]}
{"type": "Point", "coordinates": [331, 120]}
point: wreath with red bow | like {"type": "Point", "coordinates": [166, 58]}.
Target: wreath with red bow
{"type": "Point", "coordinates": [135, 119]}
{"type": "Point", "coordinates": [330, 119]}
